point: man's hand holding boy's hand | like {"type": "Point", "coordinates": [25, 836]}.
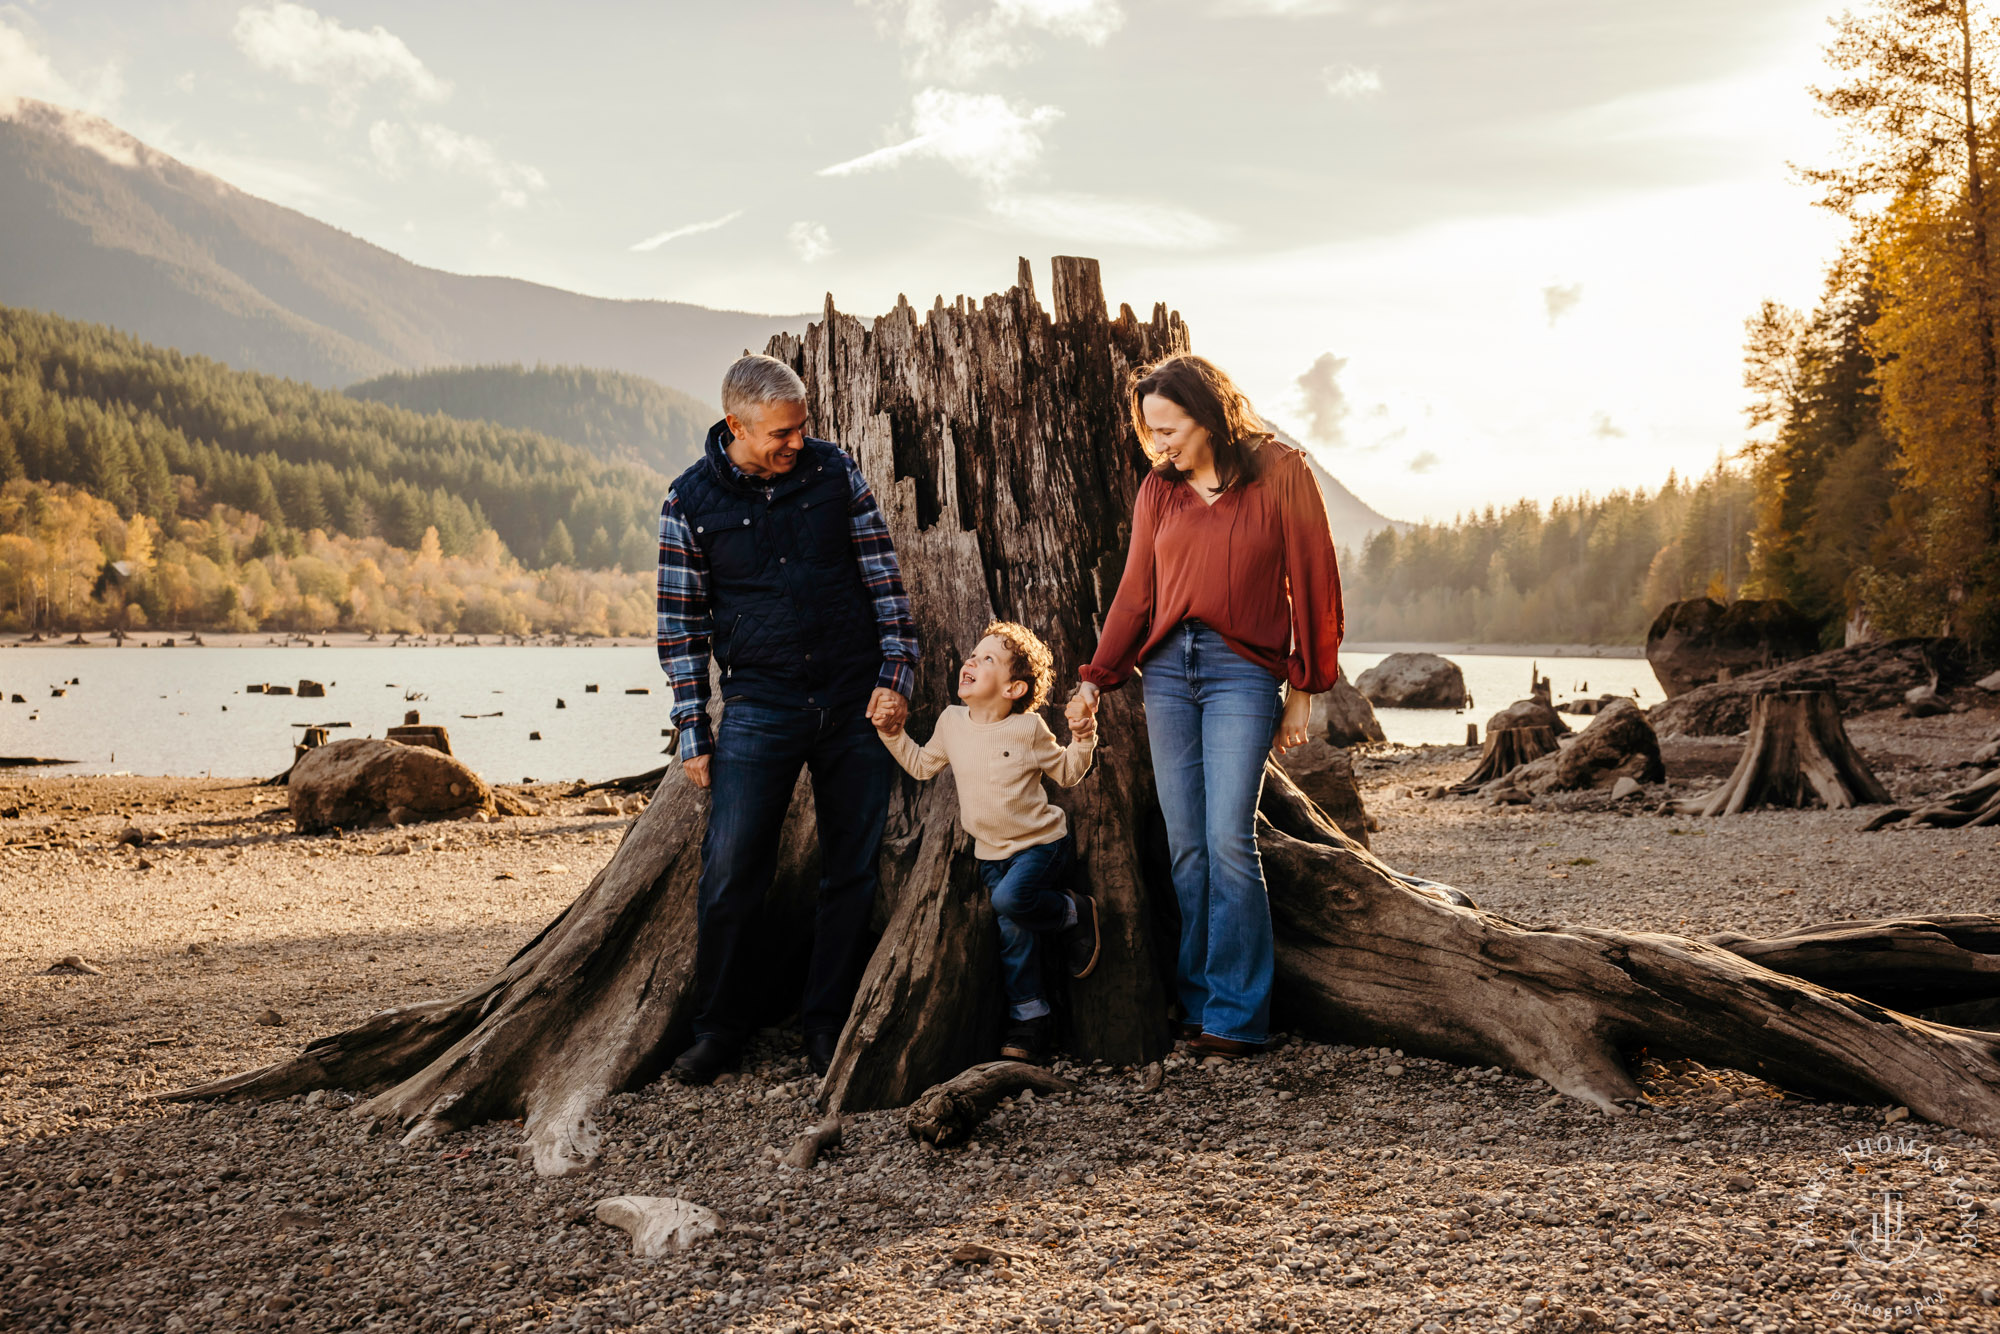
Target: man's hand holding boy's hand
{"type": "Point", "coordinates": [887, 710]}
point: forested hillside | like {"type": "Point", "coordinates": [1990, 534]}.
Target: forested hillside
{"type": "Point", "coordinates": [619, 418]}
{"type": "Point", "coordinates": [1586, 571]}
{"type": "Point", "coordinates": [159, 433]}
{"type": "Point", "coordinates": [245, 501]}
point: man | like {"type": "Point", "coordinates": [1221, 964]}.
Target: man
{"type": "Point", "coordinates": [774, 557]}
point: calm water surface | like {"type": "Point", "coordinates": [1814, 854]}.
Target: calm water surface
{"type": "Point", "coordinates": [184, 711]}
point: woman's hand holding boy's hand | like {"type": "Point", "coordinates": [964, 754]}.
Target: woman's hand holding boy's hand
{"type": "Point", "coordinates": [1082, 730]}
{"type": "Point", "coordinates": [1081, 711]}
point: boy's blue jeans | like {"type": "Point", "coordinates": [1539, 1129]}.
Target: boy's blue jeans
{"type": "Point", "coordinates": [1026, 890]}
{"type": "Point", "coordinates": [758, 752]}
{"type": "Point", "coordinates": [1211, 715]}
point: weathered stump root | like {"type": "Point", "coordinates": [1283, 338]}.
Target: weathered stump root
{"type": "Point", "coordinates": [807, 1148]}
{"type": "Point", "coordinates": [1968, 807]}
{"type": "Point", "coordinates": [1910, 964]}
{"type": "Point", "coordinates": [1361, 958]}
{"type": "Point", "coordinates": [948, 1113]}
{"type": "Point", "coordinates": [1798, 755]}
{"type": "Point", "coordinates": [1507, 748]}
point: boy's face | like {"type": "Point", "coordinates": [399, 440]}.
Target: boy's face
{"type": "Point", "coordinates": [984, 676]}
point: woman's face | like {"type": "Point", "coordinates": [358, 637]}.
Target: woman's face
{"type": "Point", "coordinates": [1177, 437]}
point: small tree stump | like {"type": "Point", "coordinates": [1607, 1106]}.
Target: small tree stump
{"type": "Point", "coordinates": [1507, 748]}
{"type": "Point", "coordinates": [1798, 755]}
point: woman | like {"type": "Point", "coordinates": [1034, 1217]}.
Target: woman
{"type": "Point", "coordinates": [1230, 593]}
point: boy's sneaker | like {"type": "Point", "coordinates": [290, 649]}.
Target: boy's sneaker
{"type": "Point", "coordinates": [1026, 1040]}
{"type": "Point", "coordinates": [1080, 942]}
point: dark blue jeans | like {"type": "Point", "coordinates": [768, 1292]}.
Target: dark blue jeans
{"type": "Point", "coordinates": [1027, 895]}
{"type": "Point", "coordinates": [758, 752]}
{"type": "Point", "coordinates": [1211, 715]}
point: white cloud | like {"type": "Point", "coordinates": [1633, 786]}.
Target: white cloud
{"type": "Point", "coordinates": [1603, 428]}
{"type": "Point", "coordinates": [1323, 401]}
{"type": "Point", "coordinates": [27, 71]}
{"type": "Point", "coordinates": [687, 229]}
{"type": "Point", "coordinates": [309, 48]}
{"type": "Point", "coordinates": [978, 134]}
{"type": "Point", "coordinates": [810, 240]}
{"type": "Point", "coordinates": [1289, 9]}
{"type": "Point", "coordinates": [451, 150]}
{"type": "Point", "coordinates": [942, 40]}
{"type": "Point", "coordinates": [1351, 83]}
{"type": "Point", "coordinates": [390, 143]}
{"type": "Point", "coordinates": [1091, 218]}
{"type": "Point", "coordinates": [185, 82]}
{"type": "Point", "coordinates": [1559, 299]}
{"type": "Point", "coordinates": [1426, 461]}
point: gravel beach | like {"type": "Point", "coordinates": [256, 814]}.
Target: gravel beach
{"type": "Point", "coordinates": [1319, 1187]}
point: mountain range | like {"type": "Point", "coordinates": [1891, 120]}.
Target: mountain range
{"type": "Point", "coordinates": [97, 226]}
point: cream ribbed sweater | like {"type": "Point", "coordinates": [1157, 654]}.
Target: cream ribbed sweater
{"type": "Point", "coordinates": [999, 768]}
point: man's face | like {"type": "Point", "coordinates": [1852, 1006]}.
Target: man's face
{"type": "Point", "coordinates": [768, 439]}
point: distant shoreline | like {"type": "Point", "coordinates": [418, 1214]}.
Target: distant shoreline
{"type": "Point", "coordinates": [1505, 650]}
{"type": "Point", "coordinates": [96, 639]}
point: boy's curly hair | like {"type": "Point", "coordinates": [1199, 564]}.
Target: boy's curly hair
{"type": "Point", "coordinates": [1032, 663]}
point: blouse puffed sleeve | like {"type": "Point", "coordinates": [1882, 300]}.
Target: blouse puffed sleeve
{"type": "Point", "coordinates": [1312, 579]}
{"type": "Point", "coordinates": [1131, 614]}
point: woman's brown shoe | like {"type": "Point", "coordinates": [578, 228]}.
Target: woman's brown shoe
{"type": "Point", "coordinates": [1207, 1044]}
{"type": "Point", "coordinates": [1183, 1030]}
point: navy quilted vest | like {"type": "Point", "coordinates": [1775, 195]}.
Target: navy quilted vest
{"type": "Point", "coordinates": [794, 624]}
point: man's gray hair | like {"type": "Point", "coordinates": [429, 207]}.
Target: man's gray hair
{"type": "Point", "coordinates": [755, 380]}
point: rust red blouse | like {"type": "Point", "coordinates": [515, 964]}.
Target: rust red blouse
{"type": "Point", "coordinates": [1256, 566]}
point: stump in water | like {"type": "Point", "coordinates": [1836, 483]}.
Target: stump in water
{"type": "Point", "coordinates": [1507, 748]}
{"type": "Point", "coordinates": [996, 437]}
{"type": "Point", "coordinates": [1798, 755]}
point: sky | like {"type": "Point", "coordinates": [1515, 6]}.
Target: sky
{"type": "Point", "coordinates": [1467, 250]}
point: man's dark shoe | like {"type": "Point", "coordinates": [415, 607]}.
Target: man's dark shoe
{"type": "Point", "coordinates": [1026, 1040]}
{"type": "Point", "coordinates": [706, 1059]}
{"type": "Point", "coordinates": [819, 1051]}
{"type": "Point", "coordinates": [1080, 942]}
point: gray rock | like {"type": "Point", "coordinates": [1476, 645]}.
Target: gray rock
{"type": "Point", "coordinates": [1626, 786]}
{"type": "Point", "coordinates": [1413, 681]}
{"type": "Point", "coordinates": [1619, 743]}
{"type": "Point", "coordinates": [1699, 642]}
{"type": "Point", "coordinates": [1344, 716]}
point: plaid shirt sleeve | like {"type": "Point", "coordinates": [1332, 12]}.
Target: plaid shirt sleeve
{"type": "Point", "coordinates": [883, 578]}
{"type": "Point", "coordinates": [684, 629]}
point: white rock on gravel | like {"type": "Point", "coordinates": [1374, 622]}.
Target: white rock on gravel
{"type": "Point", "coordinates": [659, 1225]}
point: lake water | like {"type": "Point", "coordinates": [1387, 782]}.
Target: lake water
{"type": "Point", "coordinates": [184, 711]}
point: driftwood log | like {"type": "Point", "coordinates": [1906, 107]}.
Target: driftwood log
{"type": "Point", "coordinates": [1977, 804]}
{"type": "Point", "coordinates": [946, 1114]}
{"type": "Point", "coordinates": [1798, 755]}
{"type": "Point", "coordinates": [996, 437]}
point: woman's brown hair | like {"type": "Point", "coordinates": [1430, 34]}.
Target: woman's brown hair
{"type": "Point", "coordinates": [1204, 391]}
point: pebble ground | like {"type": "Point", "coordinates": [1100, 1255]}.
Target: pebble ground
{"type": "Point", "coordinates": [1317, 1187]}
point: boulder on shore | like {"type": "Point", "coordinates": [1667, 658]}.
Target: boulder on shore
{"type": "Point", "coordinates": [1619, 743]}
{"type": "Point", "coordinates": [360, 781]}
{"type": "Point", "coordinates": [1865, 677]}
{"type": "Point", "coordinates": [1699, 642]}
{"type": "Point", "coordinates": [1413, 681]}
{"type": "Point", "coordinates": [1344, 716]}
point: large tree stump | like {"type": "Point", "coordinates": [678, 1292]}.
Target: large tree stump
{"type": "Point", "coordinates": [996, 436]}
{"type": "Point", "coordinates": [1798, 755]}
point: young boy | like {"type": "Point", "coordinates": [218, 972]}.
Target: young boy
{"type": "Point", "coordinates": [999, 748]}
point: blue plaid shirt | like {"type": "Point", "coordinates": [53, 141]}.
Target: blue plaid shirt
{"type": "Point", "coordinates": [685, 623]}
